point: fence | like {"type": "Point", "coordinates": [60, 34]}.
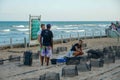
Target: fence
{"type": "Point", "coordinates": [14, 42]}
{"type": "Point", "coordinates": [114, 35]}
{"type": "Point", "coordinates": [23, 42]}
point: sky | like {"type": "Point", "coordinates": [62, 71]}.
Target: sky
{"type": "Point", "coordinates": [60, 10]}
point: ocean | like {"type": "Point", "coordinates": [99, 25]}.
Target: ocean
{"type": "Point", "coordinates": [17, 30]}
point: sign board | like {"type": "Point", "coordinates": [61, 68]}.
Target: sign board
{"type": "Point", "coordinates": [34, 25]}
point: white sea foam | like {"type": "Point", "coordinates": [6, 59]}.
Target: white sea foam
{"type": "Point", "coordinates": [19, 26]}
{"type": "Point", "coordinates": [80, 30]}
{"type": "Point", "coordinates": [54, 27]}
{"type": "Point", "coordinates": [5, 30]}
{"type": "Point", "coordinates": [89, 24]}
{"type": "Point", "coordinates": [75, 31]}
{"type": "Point", "coordinates": [75, 25]}
{"type": "Point", "coordinates": [27, 33]}
{"type": "Point", "coordinates": [102, 25]}
{"type": "Point", "coordinates": [67, 28]}
{"type": "Point", "coordinates": [67, 31]}
{"type": "Point", "coordinates": [22, 29]}
{"type": "Point", "coordinates": [80, 25]}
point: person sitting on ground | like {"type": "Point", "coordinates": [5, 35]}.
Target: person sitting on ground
{"type": "Point", "coordinates": [76, 50]}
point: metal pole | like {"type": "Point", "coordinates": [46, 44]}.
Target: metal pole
{"type": "Point", "coordinates": [78, 35]}
{"type": "Point", "coordinates": [25, 42]}
{"type": "Point", "coordinates": [100, 34]}
{"type": "Point", "coordinates": [11, 46]}
{"type": "Point", "coordinates": [118, 39]}
{"type": "Point", "coordinates": [29, 30]}
{"type": "Point", "coordinates": [92, 34]}
{"type": "Point", "coordinates": [61, 39]}
{"type": "Point", "coordinates": [85, 34]}
{"type": "Point", "coordinates": [70, 38]}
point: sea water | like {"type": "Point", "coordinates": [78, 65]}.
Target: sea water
{"type": "Point", "coordinates": [18, 30]}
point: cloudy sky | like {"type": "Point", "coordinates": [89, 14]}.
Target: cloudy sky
{"type": "Point", "coordinates": [60, 10]}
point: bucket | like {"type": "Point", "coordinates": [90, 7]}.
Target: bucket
{"type": "Point", "coordinates": [53, 61]}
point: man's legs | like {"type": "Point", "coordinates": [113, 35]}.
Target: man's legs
{"type": "Point", "coordinates": [42, 60]}
{"type": "Point", "coordinates": [48, 54]}
{"type": "Point", "coordinates": [47, 61]}
{"type": "Point", "coordinates": [42, 55]}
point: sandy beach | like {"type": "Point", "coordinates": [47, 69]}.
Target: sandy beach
{"type": "Point", "coordinates": [17, 71]}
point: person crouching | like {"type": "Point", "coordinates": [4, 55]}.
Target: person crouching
{"type": "Point", "coordinates": [76, 49]}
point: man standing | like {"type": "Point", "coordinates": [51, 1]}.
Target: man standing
{"type": "Point", "coordinates": [40, 39]}
{"type": "Point", "coordinates": [39, 32]}
{"type": "Point", "coordinates": [47, 44]}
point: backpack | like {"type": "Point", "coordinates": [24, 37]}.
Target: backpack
{"type": "Point", "coordinates": [95, 54]}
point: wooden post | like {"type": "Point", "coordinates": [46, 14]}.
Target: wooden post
{"type": "Point", "coordinates": [11, 45]}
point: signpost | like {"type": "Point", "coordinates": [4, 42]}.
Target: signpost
{"type": "Point", "coordinates": [34, 26]}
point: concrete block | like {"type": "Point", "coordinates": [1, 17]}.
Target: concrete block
{"type": "Point", "coordinates": [97, 62]}
{"type": "Point", "coordinates": [108, 60]}
{"type": "Point", "coordinates": [84, 66]}
{"type": "Point", "coordinates": [14, 58]}
{"type": "Point", "coordinates": [69, 71]}
{"type": "Point", "coordinates": [31, 79]}
{"type": "Point", "coordinates": [1, 61]}
{"type": "Point", "coordinates": [72, 60]}
{"type": "Point", "coordinates": [35, 55]}
{"type": "Point", "coordinates": [50, 76]}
